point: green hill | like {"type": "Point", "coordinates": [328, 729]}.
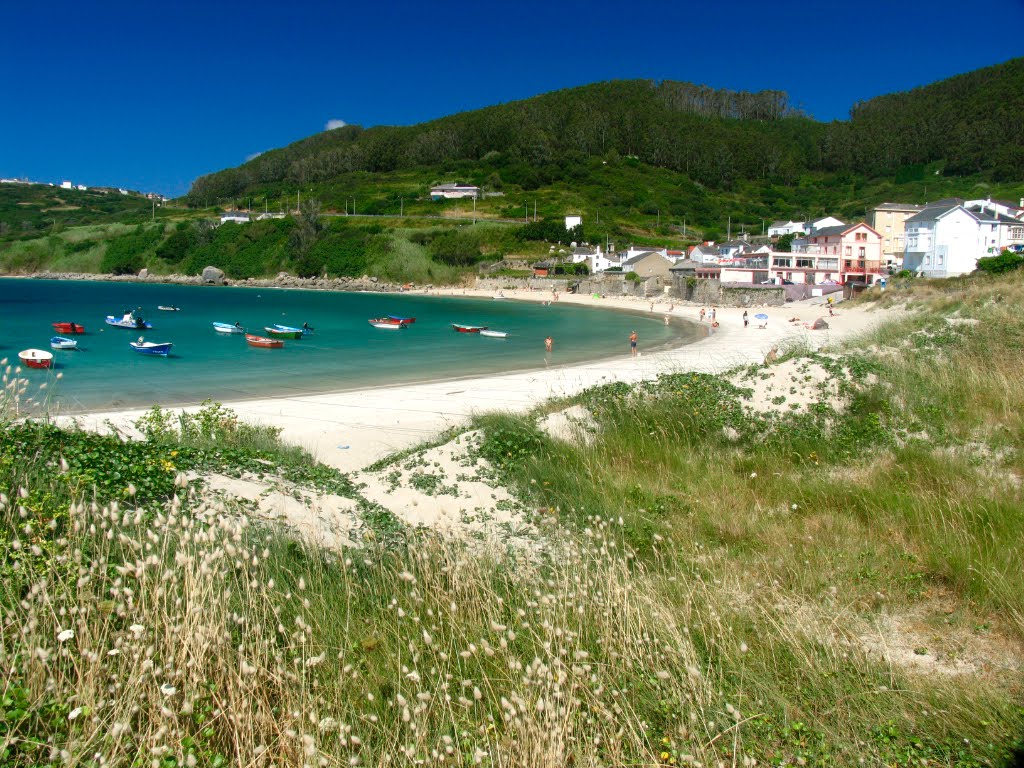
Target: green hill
{"type": "Point", "coordinates": [713, 143]}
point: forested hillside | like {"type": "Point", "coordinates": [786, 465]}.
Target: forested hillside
{"type": "Point", "coordinates": [972, 123]}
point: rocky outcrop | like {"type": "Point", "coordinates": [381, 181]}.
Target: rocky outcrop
{"type": "Point", "coordinates": [213, 276]}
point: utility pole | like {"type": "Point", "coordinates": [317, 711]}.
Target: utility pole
{"type": "Point", "coordinates": [659, 217]}
{"type": "Point", "coordinates": [527, 213]}
{"type": "Point", "coordinates": [728, 230]}
{"type": "Point", "coordinates": [684, 226]}
{"type": "Point", "coordinates": [401, 207]}
{"type": "Point", "coordinates": [535, 210]}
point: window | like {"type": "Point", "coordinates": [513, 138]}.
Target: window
{"type": "Point", "coordinates": [1017, 233]}
{"type": "Point", "coordinates": [861, 254]}
{"type": "Point", "coordinates": [849, 250]}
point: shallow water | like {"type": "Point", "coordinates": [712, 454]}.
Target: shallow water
{"type": "Point", "coordinates": [345, 352]}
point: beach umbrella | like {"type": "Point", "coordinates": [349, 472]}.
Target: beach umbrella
{"type": "Point", "coordinates": [760, 316]}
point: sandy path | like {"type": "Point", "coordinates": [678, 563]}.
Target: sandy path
{"type": "Point", "coordinates": [351, 429]}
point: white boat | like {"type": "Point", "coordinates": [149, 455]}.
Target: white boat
{"type": "Point", "coordinates": [387, 324]}
{"type": "Point", "coordinates": [62, 342]}
{"type": "Point", "coordinates": [169, 309]}
{"type": "Point", "coordinates": [228, 328]}
{"type": "Point", "coordinates": [493, 334]}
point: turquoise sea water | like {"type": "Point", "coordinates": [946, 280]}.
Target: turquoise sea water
{"type": "Point", "coordinates": [345, 352]}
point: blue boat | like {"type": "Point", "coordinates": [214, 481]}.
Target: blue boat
{"type": "Point", "coordinates": [304, 330]}
{"type": "Point", "coordinates": [151, 347]}
{"type": "Point", "coordinates": [129, 320]}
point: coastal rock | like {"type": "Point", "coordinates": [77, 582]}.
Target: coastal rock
{"type": "Point", "coordinates": [143, 273]}
{"type": "Point", "coordinates": [213, 276]}
{"type": "Point", "coordinates": [820, 324]}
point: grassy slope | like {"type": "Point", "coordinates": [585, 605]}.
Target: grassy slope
{"type": "Point", "coordinates": [711, 587]}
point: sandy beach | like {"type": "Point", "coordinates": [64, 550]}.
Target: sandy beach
{"type": "Point", "coordinates": [352, 429]}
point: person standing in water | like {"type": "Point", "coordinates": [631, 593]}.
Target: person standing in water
{"type": "Point", "coordinates": [632, 343]}
{"type": "Point", "coordinates": [549, 344]}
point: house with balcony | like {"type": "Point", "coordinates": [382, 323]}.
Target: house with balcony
{"type": "Point", "coordinates": [947, 239]}
{"type": "Point", "coordinates": [889, 220]}
{"type": "Point", "coordinates": [783, 268]}
{"type": "Point", "coordinates": [858, 248]}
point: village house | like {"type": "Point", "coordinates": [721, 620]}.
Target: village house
{"type": "Point", "coordinates": [827, 221]}
{"type": "Point", "coordinates": [889, 220]}
{"type": "Point", "coordinates": [733, 248]}
{"type": "Point", "coordinates": [648, 264]}
{"type": "Point", "coordinates": [454, 191]}
{"type": "Point", "coordinates": [946, 239]}
{"type": "Point", "coordinates": [780, 228]}
{"type": "Point", "coordinates": [707, 253]}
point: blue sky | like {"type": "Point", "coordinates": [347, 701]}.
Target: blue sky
{"type": "Point", "coordinates": [150, 96]}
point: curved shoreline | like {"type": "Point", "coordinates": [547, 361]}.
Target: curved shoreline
{"type": "Point", "coordinates": [353, 428]}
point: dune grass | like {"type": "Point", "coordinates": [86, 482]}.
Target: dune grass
{"type": "Point", "coordinates": [709, 587]}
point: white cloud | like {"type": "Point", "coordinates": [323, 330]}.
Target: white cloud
{"type": "Point", "coordinates": [334, 123]}
{"type": "Point", "coordinates": [254, 155]}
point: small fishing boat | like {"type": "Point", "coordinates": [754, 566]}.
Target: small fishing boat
{"type": "Point", "coordinates": [36, 358]}
{"type": "Point", "coordinates": [129, 320]}
{"type": "Point", "coordinates": [469, 328]}
{"type": "Point", "coordinates": [386, 323]}
{"type": "Point", "coordinates": [62, 342]}
{"type": "Point", "coordinates": [69, 329]}
{"type": "Point", "coordinates": [263, 341]}
{"type": "Point", "coordinates": [493, 334]}
{"type": "Point", "coordinates": [401, 320]}
{"type": "Point", "coordinates": [279, 333]}
{"type": "Point", "coordinates": [151, 347]}
{"type": "Point", "coordinates": [169, 309]}
{"type": "Point", "coordinates": [228, 328]}
{"type": "Point", "coordinates": [305, 330]}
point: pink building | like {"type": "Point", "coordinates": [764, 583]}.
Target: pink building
{"type": "Point", "coordinates": [857, 247]}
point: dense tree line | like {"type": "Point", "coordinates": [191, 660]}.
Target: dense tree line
{"type": "Point", "coordinates": [973, 122]}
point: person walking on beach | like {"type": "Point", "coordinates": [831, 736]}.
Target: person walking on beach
{"type": "Point", "coordinates": [632, 343]}
{"type": "Point", "coordinates": [746, 320]}
{"type": "Point", "coordinates": [701, 314]}
{"type": "Point", "coordinates": [712, 314]}
{"type": "Point", "coordinates": [549, 344]}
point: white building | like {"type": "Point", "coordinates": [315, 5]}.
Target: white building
{"type": "Point", "coordinates": [236, 217]}
{"type": "Point", "coordinates": [65, 185]}
{"type": "Point", "coordinates": [454, 192]}
{"type": "Point", "coordinates": [573, 221]}
{"type": "Point", "coordinates": [780, 228]}
{"type": "Point", "coordinates": [946, 240]}
{"type": "Point", "coordinates": [828, 221]}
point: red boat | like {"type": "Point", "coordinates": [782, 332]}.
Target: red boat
{"type": "Point", "coordinates": [401, 320]}
{"type": "Point", "coordinates": [469, 328]}
{"type": "Point", "coordinates": [68, 329]}
{"type": "Point", "coordinates": [36, 358]}
{"type": "Point", "coordinates": [263, 341]}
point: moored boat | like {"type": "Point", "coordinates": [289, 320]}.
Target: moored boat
{"type": "Point", "coordinates": [493, 334]}
{"type": "Point", "coordinates": [469, 328]}
{"type": "Point", "coordinates": [386, 323]}
{"type": "Point", "coordinates": [169, 309]}
{"type": "Point", "coordinates": [228, 328]}
{"type": "Point", "coordinates": [305, 330]}
{"type": "Point", "coordinates": [36, 358]}
{"type": "Point", "coordinates": [69, 329]}
{"type": "Point", "coordinates": [279, 333]}
{"type": "Point", "coordinates": [62, 342]}
{"type": "Point", "coordinates": [401, 320]}
{"type": "Point", "coordinates": [129, 320]}
{"type": "Point", "coordinates": [263, 341]}
{"type": "Point", "coordinates": [161, 349]}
